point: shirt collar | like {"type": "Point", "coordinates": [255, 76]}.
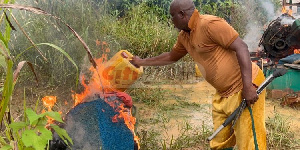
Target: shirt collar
{"type": "Point", "coordinates": [193, 19]}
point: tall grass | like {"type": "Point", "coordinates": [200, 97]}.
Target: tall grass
{"type": "Point", "coordinates": [31, 131]}
{"type": "Point", "coordinates": [143, 29]}
{"type": "Point", "coordinates": [141, 32]}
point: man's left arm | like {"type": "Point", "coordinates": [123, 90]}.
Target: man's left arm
{"type": "Point", "coordinates": [243, 56]}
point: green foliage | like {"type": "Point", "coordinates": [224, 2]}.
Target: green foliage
{"type": "Point", "coordinates": [146, 35]}
{"type": "Point", "coordinates": [190, 137]}
{"type": "Point", "coordinates": [218, 8]}
{"type": "Point", "coordinates": [149, 96]}
{"type": "Point", "coordinates": [8, 84]}
{"type": "Point", "coordinates": [37, 138]}
{"type": "Point", "coordinates": [33, 132]}
{"type": "Point", "coordinates": [231, 11]}
{"type": "Point", "coordinates": [160, 7]}
{"type": "Point", "coordinates": [62, 133]}
{"type": "Point", "coordinates": [58, 69]}
{"type": "Point", "coordinates": [279, 134]}
{"type": "Point", "coordinates": [120, 7]}
{"type": "Point", "coordinates": [30, 133]}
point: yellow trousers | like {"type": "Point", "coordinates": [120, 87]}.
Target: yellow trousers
{"type": "Point", "coordinates": [242, 136]}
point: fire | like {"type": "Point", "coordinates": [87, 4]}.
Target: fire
{"type": "Point", "coordinates": [99, 84]}
{"type": "Point", "coordinates": [130, 121]}
{"type": "Point", "coordinates": [290, 11]}
{"type": "Point", "coordinates": [49, 102]}
{"type": "Point", "coordinates": [283, 10]}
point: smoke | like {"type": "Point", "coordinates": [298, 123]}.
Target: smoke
{"type": "Point", "coordinates": [253, 36]}
{"type": "Point", "coordinates": [287, 21]}
{"type": "Point", "coordinates": [269, 7]}
{"type": "Point", "coordinates": [254, 27]}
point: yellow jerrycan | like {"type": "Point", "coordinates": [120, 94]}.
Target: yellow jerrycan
{"type": "Point", "coordinates": [120, 72]}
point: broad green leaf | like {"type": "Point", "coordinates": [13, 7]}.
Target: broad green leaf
{"type": "Point", "coordinates": [32, 116]}
{"type": "Point", "coordinates": [62, 133]}
{"type": "Point", "coordinates": [54, 115]}
{"type": "Point", "coordinates": [42, 121]}
{"type": "Point", "coordinates": [16, 126]}
{"type": "Point", "coordinates": [45, 133]}
{"type": "Point", "coordinates": [6, 147]}
{"type": "Point", "coordinates": [36, 139]}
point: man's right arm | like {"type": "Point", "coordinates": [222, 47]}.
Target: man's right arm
{"type": "Point", "coordinates": [160, 60]}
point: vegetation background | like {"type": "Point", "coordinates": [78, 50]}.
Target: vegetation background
{"type": "Point", "coordinates": [143, 27]}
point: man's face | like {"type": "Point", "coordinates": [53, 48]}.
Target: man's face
{"type": "Point", "coordinates": [178, 18]}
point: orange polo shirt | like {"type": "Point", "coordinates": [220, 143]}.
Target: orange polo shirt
{"type": "Point", "coordinates": [208, 44]}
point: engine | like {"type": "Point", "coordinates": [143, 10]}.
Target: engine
{"type": "Point", "coordinates": [281, 37]}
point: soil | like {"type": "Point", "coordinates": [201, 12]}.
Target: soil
{"type": "Point", "coordinates": [201, 93]}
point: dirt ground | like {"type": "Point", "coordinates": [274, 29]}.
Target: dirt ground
{"type": "Point", "coordinates": [199, 94]}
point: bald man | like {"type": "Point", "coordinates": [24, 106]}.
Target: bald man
{"type": "Point", "coordinates": [224, 61]}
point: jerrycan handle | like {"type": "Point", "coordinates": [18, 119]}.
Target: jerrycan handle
{"type": "Point", "coordinates": [125, 55]}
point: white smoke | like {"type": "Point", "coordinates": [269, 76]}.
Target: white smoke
{"type": "Point", "coordinates": [270, 9]}
{"type": "Point", "coordinates": [287, 21]}
{"type": "Point", "coordinates": [253, 36]}
{"type": "Point", "coordinates": [255, 30]}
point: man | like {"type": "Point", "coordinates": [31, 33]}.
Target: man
{"type": "Point", "coordinates": [224, 61]}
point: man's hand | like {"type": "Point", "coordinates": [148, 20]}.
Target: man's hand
{"type": "Point", "coordinates": [250, 95]}
{"type": "Point", "coordinates": [136, 61]}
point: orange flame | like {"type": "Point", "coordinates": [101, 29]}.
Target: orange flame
{"type": "Point", "coordinates": [99, 85]}
{"type": "Point", "coordinates": [283, 10]}
{"type": "Point", "coordinates": [290, 11]}
{"type": "Point", "coordinates": [49, 102]}
{"type": "Point", "coordinates": [124, 113]}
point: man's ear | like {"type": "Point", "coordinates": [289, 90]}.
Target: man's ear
{"type": "Point", "coordinates": [181, 14]}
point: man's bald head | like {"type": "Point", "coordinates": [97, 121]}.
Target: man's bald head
{"type": "Point", "coordinates": [181, 12]}
{"type": "Point", "coordinates": [182, 4]}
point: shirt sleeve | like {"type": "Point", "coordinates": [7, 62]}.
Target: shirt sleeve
{"type": "Point", "coordinates": [178, 46]}
{"type": "Point", "coordinates": [221, 32]}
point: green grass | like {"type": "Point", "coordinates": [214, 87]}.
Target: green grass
{"type": "Point", "coordinates": [149, 96]}
{"type": "Point", "coordinates": [279, 135]}
{"type": "Point", "coordinates": [189, 137]}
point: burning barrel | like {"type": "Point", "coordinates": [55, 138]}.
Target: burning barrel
{"type": "Point", "coordinates": [104, 121]}
{"type": "Point", "coordinates": [91, 126]}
